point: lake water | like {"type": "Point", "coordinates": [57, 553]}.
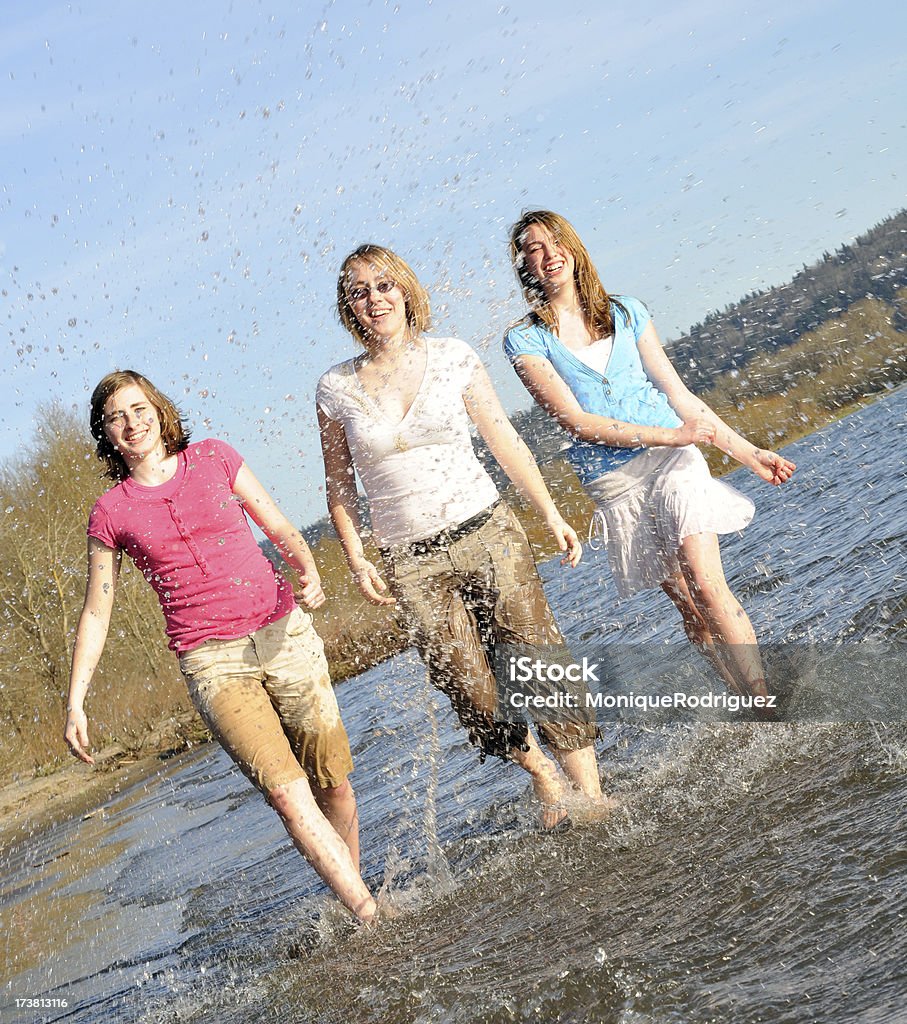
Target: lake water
{"type": "Point", "coordinates": [755, 872]}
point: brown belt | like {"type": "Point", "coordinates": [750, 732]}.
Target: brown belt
{"type": "Point", "coordinates": [444, 539]}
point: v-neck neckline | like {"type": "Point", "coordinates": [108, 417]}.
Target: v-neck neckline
{"type": "Point", "coordinates": [376, 408]}
{"type": "Point", "coordinates": [578, 361]}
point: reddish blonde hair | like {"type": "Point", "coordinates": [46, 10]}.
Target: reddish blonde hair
{"type": "Point", "coordinates": [596, 303]}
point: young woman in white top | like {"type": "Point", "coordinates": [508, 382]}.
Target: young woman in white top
{"type": "Point", "coordinates": [458, 564]}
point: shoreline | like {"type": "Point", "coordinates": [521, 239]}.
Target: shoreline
{"type": "Point", "coordinates": [31, 805]}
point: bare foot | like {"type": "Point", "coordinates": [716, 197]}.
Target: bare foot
{"type": "Point", "coordinates": [546, 783]}
{"type": "Point", "coordinates": [553, 818]}
{"type": "Point", "coordinates": [383, 912]}
{"type": "Point", "coordinates": [589, 812]}
{"type": "Point", "coordinates": [367, 912]}
{"type": "Point", "coordinates": [549, 791]}
{"type": "Point", "coordinates": [758, 688]}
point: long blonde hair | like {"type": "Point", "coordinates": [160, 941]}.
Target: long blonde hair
{"type": "Point", "coordinates": [418, 308]}
{"type": "Point", "coordinates": [596, 303]}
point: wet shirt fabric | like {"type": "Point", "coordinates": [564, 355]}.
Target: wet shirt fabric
{"type": "Point", "coordinates": [623, 392]}
{"type": "Point", "coordinates": [191, 540]}
{"type": "Point", "coordinates": [420, 474]}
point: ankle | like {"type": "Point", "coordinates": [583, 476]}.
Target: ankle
{"type": "Point", "coordinates": [366, 910]}
{"type": "Point", "coordinates": [757, 687]}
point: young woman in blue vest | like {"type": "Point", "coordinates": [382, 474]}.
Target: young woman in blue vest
{"type": "Point", "coordinates": [594, 362]}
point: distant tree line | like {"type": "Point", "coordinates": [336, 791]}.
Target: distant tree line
{"type": "Point", "coordinates": [873, 266]}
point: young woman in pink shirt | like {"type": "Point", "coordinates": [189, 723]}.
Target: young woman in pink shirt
{"type": "Point", "coordinates": [254, 666]}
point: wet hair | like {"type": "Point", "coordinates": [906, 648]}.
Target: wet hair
{"type": "Point", "coordinates": [415, 297]}
{"type": "Point", "coordinates": [173, 431]}
{"type": "Point", "coordinates": [598, 306]}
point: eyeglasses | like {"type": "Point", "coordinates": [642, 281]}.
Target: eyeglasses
{"type": "Point", "coordinates": [361, 292]}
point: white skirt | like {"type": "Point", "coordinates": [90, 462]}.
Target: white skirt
{"type": "Point", "coordinates": [653, 502]}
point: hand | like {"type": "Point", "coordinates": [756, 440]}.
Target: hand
{"type": "Point", "coordinates": [567, 541]}
{"type": "Point", "coordinates": [312, 595]}
{"type": "Point", "coordinates": [694, 431]}
{"type": "Point", "coordinates": [370, 584]}
{"type": "Point", "coordinates": [76, 735]}
{"type": "Point", "coordinates": [772, 467]}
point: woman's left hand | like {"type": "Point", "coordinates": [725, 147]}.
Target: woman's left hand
{"type": "Point", "coordinates": [312, 595]}
{"type": "Point", "coordinates": [370, 584]}
{"type": "Point", "coordinates": [772, 467]}
{"type": "Point", "coordinates": [567, 541]}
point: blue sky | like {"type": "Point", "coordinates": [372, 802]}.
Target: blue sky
{"type": "Point", "coordinates": [181, 181]}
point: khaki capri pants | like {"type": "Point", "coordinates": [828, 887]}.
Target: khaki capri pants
{"type": "Point", "coordinates": [268, 700]}
{"type": "Point", "coordinates": [462, 594]}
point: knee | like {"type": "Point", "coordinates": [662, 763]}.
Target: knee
{"type": "Point", "coordinates": [688, 611]}
{"type": "Point", "coordinates": [333, 794]}
{"type": "Point", "coordinates": [693, 622]}
{"type": "Point", "coordinates": [279, 799]}
{"type": "Point", "coordinates": [290, 798]}
{"type": "Point", "coordinates": [709, 592]}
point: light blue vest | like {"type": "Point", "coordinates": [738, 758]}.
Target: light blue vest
{"type": "Point", "coordinates": [623, 393]}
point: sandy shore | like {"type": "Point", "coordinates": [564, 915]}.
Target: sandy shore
{"type": "Point", "coordinates": [30, 805]}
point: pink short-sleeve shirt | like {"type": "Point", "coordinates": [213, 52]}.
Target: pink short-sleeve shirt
{"type": "Point", "coordinates": [191, 540]}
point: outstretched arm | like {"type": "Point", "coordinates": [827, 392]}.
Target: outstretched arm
{"type": "Point", "coordinates": [91, 635]}
{"type": "Point", "coordinates": [280, 531]}
{"type": "Point", "coordinates": [516, 460]}
{"type": "Point", "coordinates": [770, 466]}
{"type": "Point", "coordinates": [340, 485]}
{"type": "Point", "coordinates": [551, 392]}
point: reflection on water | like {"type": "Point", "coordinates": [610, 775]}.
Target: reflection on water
{"type": "Point", "coordinates": [753, 873]}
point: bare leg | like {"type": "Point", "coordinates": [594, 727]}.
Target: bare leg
{"type": "Point", "coordinates": [315, 838]}
{"type": "Point", "coordinates": [546, 784]}
{"type": "Point", "coordinates": [581, 769]}
{"type": "Point", "coordinates": [727, 622]}
{"type": "Point", "coordinates": [338, 805]}
{"type": "Point", "coordinates": [696, 629]}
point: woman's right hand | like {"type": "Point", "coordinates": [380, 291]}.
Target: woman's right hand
{"type": "Point", "coordinates": [694, 431]}
{"type": "Point", "coordinates": [76, 735]}
{"type": "Point", "coordinates": [370, 584]}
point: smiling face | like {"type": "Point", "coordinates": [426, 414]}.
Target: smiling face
{"type": "Point", "coordinates": [132, 424]}
{"type": "Point", "coordinates": [547, 260]}
{"type": "Point", "coordinates": [375, 288]}
{"type": "Point", "coordinates": [376, 299]}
